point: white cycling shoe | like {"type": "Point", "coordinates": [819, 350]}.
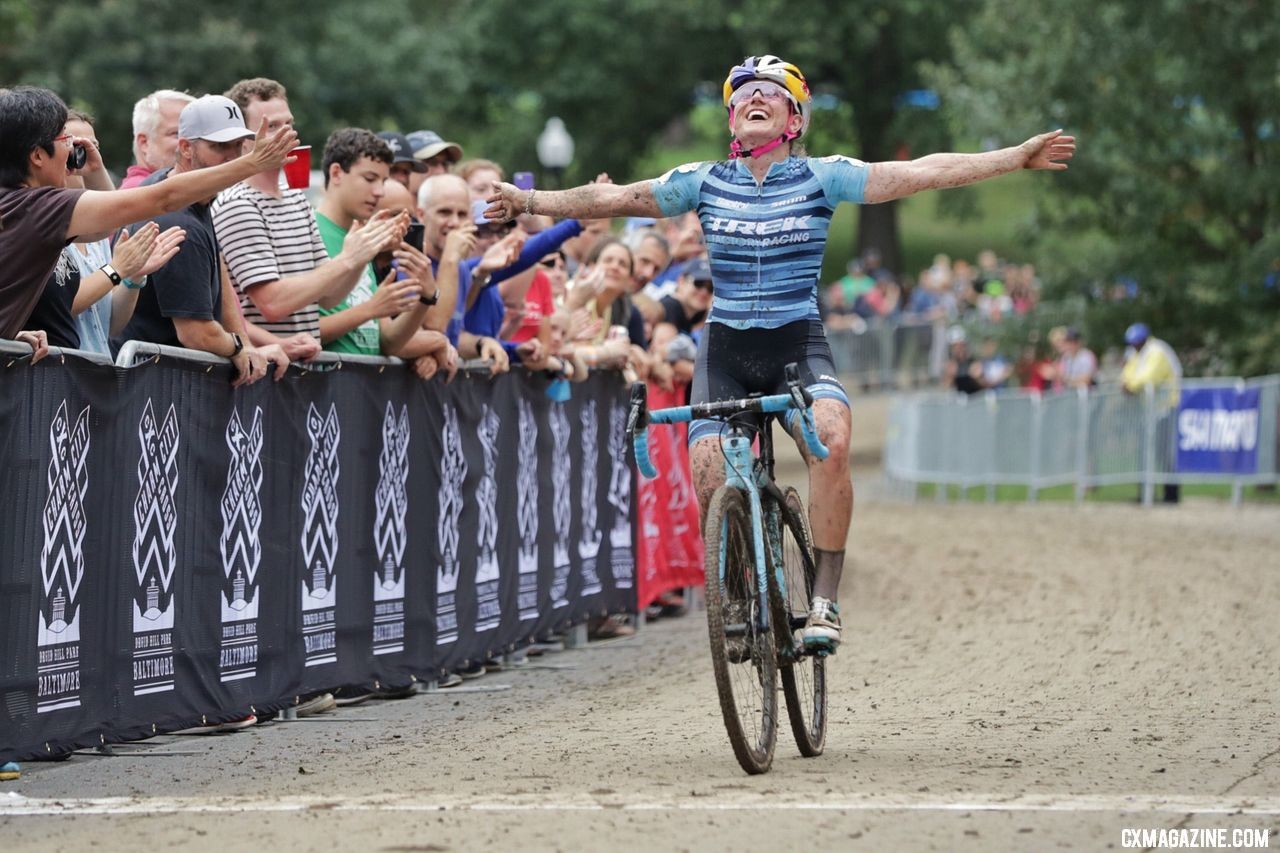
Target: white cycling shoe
{"type": "Point", "coordinates": [822, 631]}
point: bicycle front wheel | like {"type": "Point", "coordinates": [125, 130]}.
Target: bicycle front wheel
{"type": "Point", "coordinates": [804, 675]}
{"type": "Point", "coordinates": [742, 650]}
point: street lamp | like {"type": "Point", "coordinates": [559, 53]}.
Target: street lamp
{"type": "Point", "coordinates": [555, 148]}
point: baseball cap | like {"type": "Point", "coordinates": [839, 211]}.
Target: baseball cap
{"type": "Point", "coordinates": [214, 119]}
{"type": "Point", "coordinates": [956, 335]}
{"type": "Point", "coordinates": [698, 270]}
{"type": "Point", "coordinates": [426, 144]}
{"type": "Point", "coordinates": [1136, 334]}
{"type": "Point", "coordinates": [401, 149]}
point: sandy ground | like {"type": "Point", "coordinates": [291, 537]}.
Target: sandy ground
{"type": "Point", "coordinates": [1013, 678]}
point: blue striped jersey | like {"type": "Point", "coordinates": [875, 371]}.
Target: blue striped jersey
{"type": "Point", "coordinates": [764, 241]}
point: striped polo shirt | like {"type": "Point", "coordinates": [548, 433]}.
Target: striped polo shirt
{"type": "Point", "coordinates": [764, 241]}
{"type": "Point", "coordinates": [265, 239]}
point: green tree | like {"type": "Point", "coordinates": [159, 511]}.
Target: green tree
{"type": "Point", "coordinates": [343, 67]}
{"type": "Point", "coordinates": [1176, 185]}
{"type": "Point", "coordinates": [621, 73]}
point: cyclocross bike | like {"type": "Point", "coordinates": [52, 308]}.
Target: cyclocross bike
{"type": "Point", "coordinates": [759, 572]}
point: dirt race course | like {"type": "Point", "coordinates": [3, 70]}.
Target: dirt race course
{"type": "Point", "coordinates": [1013, 678]}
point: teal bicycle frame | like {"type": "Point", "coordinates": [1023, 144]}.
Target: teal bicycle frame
{"type": "Point", "coordinates": [742, 471]}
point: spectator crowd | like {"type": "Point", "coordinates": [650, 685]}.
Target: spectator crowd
{"type": "Point", "coordinates": [208, 244]}
{"type": "Point", "coordinates": [395, 257]}
{"type": "Point", "coordinates": [951, 291]}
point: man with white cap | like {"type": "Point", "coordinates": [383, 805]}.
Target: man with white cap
{"type": "Point", "coordinates": [190, 302]}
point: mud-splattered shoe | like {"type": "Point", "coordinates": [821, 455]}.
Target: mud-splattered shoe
{"type": "Point", "coordinates": [821, 633]}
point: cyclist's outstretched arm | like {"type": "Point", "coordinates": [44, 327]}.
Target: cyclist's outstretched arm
{"type": "Point", "coordinates": [590, 201]}
{"type": "Point", "coordinates": [898, 179]}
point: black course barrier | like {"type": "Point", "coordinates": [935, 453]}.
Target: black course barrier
{"type": "Point", "coordinates": [174, 550]}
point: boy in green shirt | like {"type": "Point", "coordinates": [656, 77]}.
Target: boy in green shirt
{"type": "Point", "coordinates": [374, 319]}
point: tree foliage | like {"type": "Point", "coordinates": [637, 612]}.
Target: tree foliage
{"type": "Point", "coordinates": [622, 73]}
{"type": "Point", "coordinates": [1176, 185]}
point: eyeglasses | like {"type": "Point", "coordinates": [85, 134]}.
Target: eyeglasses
{"type": "Point", "coordinates": [500, 230]}
{"type": "Point", "coordinates": [767, 89]}
{"type": "Point", "coordinates": [551, 263]}
{"type": "Point", "coordinates": [66, 136]}
{"type": "Point", "coordinates": [704, 285]}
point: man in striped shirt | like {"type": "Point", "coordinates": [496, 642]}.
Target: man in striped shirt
{"type": "Point", "coordinates": [277, 259]}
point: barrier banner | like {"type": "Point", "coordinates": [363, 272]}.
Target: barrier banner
{"type": "Point", "coordinates": [176, 551]}
{"type": "Point", "coordinates": [670, 540]}
{"type": "Point", "coordinates": [1218, 430]}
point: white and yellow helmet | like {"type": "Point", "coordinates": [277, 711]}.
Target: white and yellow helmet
{"type": "Point", "coordinates": [785, 74]}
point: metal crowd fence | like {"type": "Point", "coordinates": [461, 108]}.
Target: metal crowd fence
{"type": "Point", "coordinates": [909, 351]}
{"type": "Point", "coordinates": [890, 353]}
{"type": "Point", "coordinates": [1086, 438]}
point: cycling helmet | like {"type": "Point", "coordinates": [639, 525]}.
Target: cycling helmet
{"type": "Point", "coordinates": [770, 67]}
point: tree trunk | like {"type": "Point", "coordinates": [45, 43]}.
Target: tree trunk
{"type": "Point", "coordinates": [878, 229]}
{"type": "Point", "coordinates": [873, 116]}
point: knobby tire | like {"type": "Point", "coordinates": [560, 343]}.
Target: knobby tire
{"type": "Point", "coordinates": [748, 690]}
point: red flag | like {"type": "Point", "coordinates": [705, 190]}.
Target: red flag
{"type": "Point", "coordinates": [670, 541]}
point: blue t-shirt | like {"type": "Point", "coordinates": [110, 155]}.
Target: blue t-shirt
{"type": "Point", "coordinates": [764, 241]}
{"type": "Point", "coordinates": [486, 314]}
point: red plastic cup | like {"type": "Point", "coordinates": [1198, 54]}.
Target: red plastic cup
{"type": "Point", "coordinates": [298, 173]}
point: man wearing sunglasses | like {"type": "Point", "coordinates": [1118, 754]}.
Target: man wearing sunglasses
{"type": "Point", "coordinates": [765, 212]}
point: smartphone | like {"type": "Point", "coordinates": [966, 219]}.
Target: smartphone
{"type": "Point", "coordinates": [415, 235]}
{"type": "Point", "coordinates": [523, 180]}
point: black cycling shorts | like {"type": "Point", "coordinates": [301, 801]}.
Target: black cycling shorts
{"type": "Point", "coordinates": [733, 363]}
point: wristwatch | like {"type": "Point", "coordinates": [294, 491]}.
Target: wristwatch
{"type": "Point", "coordinates": [235, 338]}
{"type": "Point", "coordinates": [430, 300]}
{"type": "Point", "coordinates": [115, 277]}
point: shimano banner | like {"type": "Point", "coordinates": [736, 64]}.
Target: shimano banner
{"type": "Point", "coordinates": [175, 550]}
{"type": "Point", "coordinates": [1218, 430]}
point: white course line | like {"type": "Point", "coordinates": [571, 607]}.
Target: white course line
{"type": "Point", "coordinates": [15, 805]}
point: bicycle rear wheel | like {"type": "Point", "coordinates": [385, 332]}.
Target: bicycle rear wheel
{"type": "Point", "coordinates": [804, 675]}
{"type": "Point", "coordinates": [742, 653]}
